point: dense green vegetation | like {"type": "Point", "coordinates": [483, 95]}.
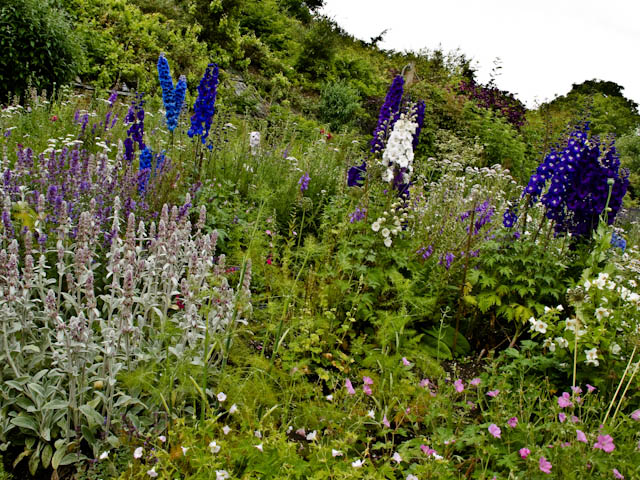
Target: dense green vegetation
{"type": "Point", "coordinates": [240, 286]}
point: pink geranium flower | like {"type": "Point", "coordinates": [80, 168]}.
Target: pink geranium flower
{"type": "Point", "coordinates": [635, 415]}
{"type": "Point", "coordinates": [617, 474]}
{"type": "Point", "coordinates": [494, 430]}
{"type": "Point", "coordinates": [513, 422]}
{"type": "Point", "coordinates": [458, 385]}
{"type": "Point", "coordinates": [350, 389]}
{"type": "Point", "coordinates": [385, 422]}
{"type": "Point", "coordinates": [581, 436]}
{"type": "Point", "coordinates": [605, 443]}
{"type": "Point", "coordinates": [565, 400]}
{"type": "Point", "coordinates": [562, 417]}
{"type": "Point", "coordinates": [406, 362]}
{"type": "Point", "coordinates": [545, 465]}
{"type": "Point", "coordinates": [475, 382]}
{"type": "Point", "coordinates": [493, 393]}
{"type": "Point", "coordinates": [524, 452]}
{"type": "Point", "coordinates": [590, 388]}
{"type": "Point", "coordinates": [424, 382]}
{"type": "Point", "coordinates": [367, 380]}
{"type": "Point", "coordinates": [366, 389]}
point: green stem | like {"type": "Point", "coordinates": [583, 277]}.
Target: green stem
{"type": "Point", "coordinates": [620, 384]}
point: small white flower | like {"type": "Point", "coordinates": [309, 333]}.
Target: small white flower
{"type": "Point", "coordinates": [152, 473]}
{"type": "Point", "coordinates": [371, 414]}
{"type": "Point", "coordinates": [592, 357]}
{"type": "Point", "coordinates": [330, 397]}
{"type": "Point", "coordinates": [388, 242]}
{"type": "Point", "coordinates": [162, 438]}
{"type": "Point", "coordinates": [137, 453]}
{"type": "Point", "coordinates": [257, 434]}
{"type": "Point", "coordinates": [312, 436]}
{"type": "Point", "coordinates": [104, 455]}
{"type": "Point", "coordinates": [411, 477]}
{"type": "Point", "coordinates": [560, 308]}
{"type": "Point", "coordinates": [233, 409]}
{"type": "Point", "coordinates": [336, 453]}
{"type": "Point", "coordinates": [222, 475]}
{"type": "Point", "coordinates": [375, 226]}
{"type": "Point", "coordinates": [385, 232]}
{"type": "Point", "coordinates": [214, 447]}
{"type": "Point", "coordinates": [357, 463]}
{"type": "Point", "coordinates": [396, 457]}
{"type": "Point", "coordinates": [602, 313]}
{"type": "Point", "coordinates": [259, 447]}
{"type": "Point", "coordinates": [184, 450]}
{"type": "Point", "coordinates": [539, 326]}
{"type": "Point", "coordinates": [221, 397]}
{"type": "Point", "coordinates": [226, 429]}
{"type": "Point", "coordinates": [615, 348]}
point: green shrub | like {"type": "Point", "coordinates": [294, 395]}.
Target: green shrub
{"type": "Point", "coordinates": [38, 46]}
{"type": "Point", "coordinates": [338, 104]}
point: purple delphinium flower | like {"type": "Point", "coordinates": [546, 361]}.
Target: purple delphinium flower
{"type": "Point", "coordinates": [355, 175]}
{"type": "Point", "coordinates": [358, 215]}
{"type": "Point", "coordinates": [304, 182]}
{"type": "Point", "coordinates": [204, 107]}
{"type": "Point", "coordinates": [389, 113]}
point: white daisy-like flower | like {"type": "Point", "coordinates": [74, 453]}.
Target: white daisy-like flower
{"type": "Point", "coordinates": [222, 475]}
{"type": "Point", "coordinates": [214, 447]}
{"type": "Point", "coordinates": [615, 348]}
{"type": "Point", "coordinates": [233, 409]}
{"type": "Point", "coordinates": [221, 397]}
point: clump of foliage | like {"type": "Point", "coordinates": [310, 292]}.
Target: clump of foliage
{"type": "Point", "coordinates": [39, 46]}
{"type": "Point", "coordinates": [499, 101]}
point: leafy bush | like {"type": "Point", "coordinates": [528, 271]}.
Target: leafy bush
{"type": "Point", "coordinates": [39, 46]}
{"type": "Point", "coordinates": [339, 105]}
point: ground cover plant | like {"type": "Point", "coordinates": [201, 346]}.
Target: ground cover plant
{"type": "Point", "coordinates": [188, 292]}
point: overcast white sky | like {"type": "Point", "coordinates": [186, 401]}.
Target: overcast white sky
{"type": "Point", "coordinates": [544, 45]}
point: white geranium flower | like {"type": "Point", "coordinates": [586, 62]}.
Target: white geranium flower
{"type": "Point", "coordinates": [388, 242]}
{"type": "Point", "coordinates": [137, 453]}
{"type": "Point", "coordinates": [615, 348]}
{"type": "Point", "coordinates": [214, 447]}
{"type": "Point", "coordinates": [592, 357]}
{"type": "Point", "coordinates": [233, 409]}
{"type": "Point", "coordinates": [562, 342]}
{"type": "Point", "coordinates": [385, 232]}
{"type": "Point", "coordinates": [375, 226]}
{"type": "Point", "coordinates": [221, 397]}
{"type": "Point", "coordinates": [226, 429]}
{"type": "Point", "coordinates": [336, 453]}
{"type": "Point", "coordinates": [222, 475]}
{"type": "Point", "coordinates": [357, 463]}
{"type": "Point", "coordinates": [602, 313]}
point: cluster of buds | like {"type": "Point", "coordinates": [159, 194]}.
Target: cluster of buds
{"type": "Point", "coordinates": [390, 224]}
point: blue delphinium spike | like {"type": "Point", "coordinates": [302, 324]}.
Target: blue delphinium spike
{"type": "Point", "coordinates": [204, 107]}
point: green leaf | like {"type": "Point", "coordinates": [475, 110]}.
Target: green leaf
{"type": "Point", "coordinates": [93, 417]}
{"type": "Point", "coordinates": [46, 455]}
{"type": "Point", "coordinates": [56, 405]}
{"type": "Point", "coordinates": [25, 422]}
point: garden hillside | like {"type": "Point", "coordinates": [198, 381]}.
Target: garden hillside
{"type": "Point", "coordinates": [238, 243]}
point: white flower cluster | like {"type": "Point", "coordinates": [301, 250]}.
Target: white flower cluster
{"type": "Point", "coordinates": [399, 150]}
{"type": "Point", "coordinates": [394, 219]}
